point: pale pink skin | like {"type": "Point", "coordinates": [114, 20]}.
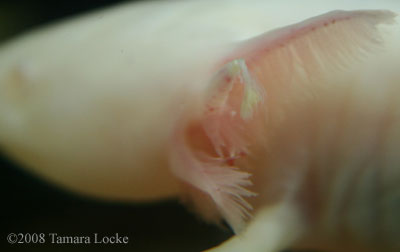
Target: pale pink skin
{"type": "Point", "coordinates": [313, 151]}
{"type": "Point", "coordinates": [114, 126]}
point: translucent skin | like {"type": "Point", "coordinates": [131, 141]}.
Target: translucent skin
{"type": "Point", "coordinates": [60, 118]}
{"type": "Point", "coordinates": [91, 105]}
{"type": "Point", "coordinates": [101, 126]}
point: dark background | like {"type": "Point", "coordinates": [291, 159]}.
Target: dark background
{"type": "Point", "coordinates": [31, 205]}
{"type": "Point", "coordinates": [17, 16]}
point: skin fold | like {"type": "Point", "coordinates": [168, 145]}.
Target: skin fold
{"type": "Point", "coordinates": [95, 104]}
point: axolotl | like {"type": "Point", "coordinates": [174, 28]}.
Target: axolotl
{"type": "Point", "coordinates": [285, 124]}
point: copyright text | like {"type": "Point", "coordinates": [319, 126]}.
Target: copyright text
{"type": "Point", "coordinates": [55, 238]}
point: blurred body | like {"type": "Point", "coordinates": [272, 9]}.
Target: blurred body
{"type": "Point", "coordinates": [91, 104]}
